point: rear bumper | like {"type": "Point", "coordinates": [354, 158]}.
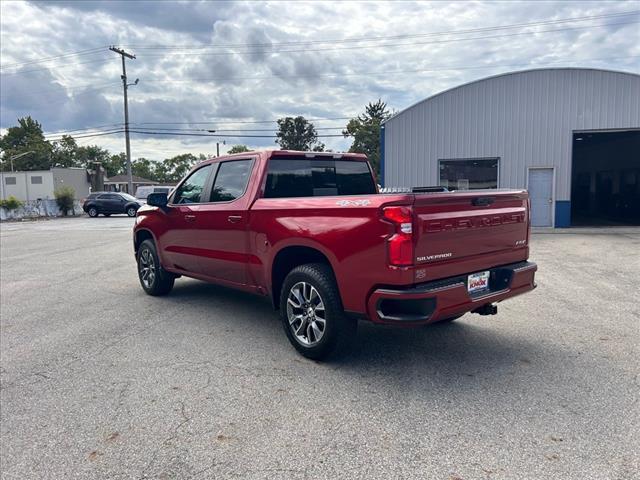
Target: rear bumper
{"type": "Point", "coordinates": [433, 301]}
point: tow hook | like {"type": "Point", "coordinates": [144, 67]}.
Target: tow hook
{"type": "Point", "coordinates": [486, 309]}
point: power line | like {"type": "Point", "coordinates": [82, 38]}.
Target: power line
{"type": "Point", "coordinates": [97, 127]}
{"type": "Point", "coordinates": [171, 134]}
{"type": "Point", "coordinates": [333, 75]}
{"type": "Point", "coordinates": [227, 122]}
{"type": "Point", "coordinates": [225, 136]}
{"type": "Point", "coordinates": [391, 72]}
{"type": "Point", "coordinates": [112, 132]}
{"type": "Point", "coordinates": [85, 88]}
{"type": "Point", "coordinates": [271, 49]}
{"type": "Point", "coordinates": [61, 132]}
{"type": "Point", "coordinates": [88, 51]}
{"type": "Point", "coordinates": [357, 47]}
{"type": "Point", "coordinates": [391, 37]}
{"type": "Point", "coordinates": [217, 130]}
{"type": "Point", "coordinates": [58, 67]}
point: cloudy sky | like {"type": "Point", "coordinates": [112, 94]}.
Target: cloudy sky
{"type": "Point", "coordinates": [235, 67]}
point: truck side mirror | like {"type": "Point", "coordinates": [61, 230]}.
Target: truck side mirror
{"type": "Point", "coordinates": [158, 200]}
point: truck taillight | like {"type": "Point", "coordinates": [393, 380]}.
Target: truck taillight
{"type": "Point", "coordinates": [400, 244]}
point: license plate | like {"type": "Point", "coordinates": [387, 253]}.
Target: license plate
{"type": "Point", "coordinates": [478, 281]}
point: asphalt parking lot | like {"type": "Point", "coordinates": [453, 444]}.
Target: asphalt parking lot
{"type": "Point", "coordinates": [99, 380]}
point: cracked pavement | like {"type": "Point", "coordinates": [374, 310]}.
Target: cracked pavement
{"type": "Point", "coordinates": [98, 380]}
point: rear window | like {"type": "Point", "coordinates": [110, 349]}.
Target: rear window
{"type": "Point", "coordinates": [317, 177]}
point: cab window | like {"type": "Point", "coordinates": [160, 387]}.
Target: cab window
{"type": "Point", "coordinates": [191, 190]}
{"type": "Point", "coordinates": [231, 180]}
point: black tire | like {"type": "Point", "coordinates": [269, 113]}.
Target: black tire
{"type": "Point", "coordinates": [338, 332]}
{"type": "Point", "coordinates": [92, 212]}
{"type": "Point", "coordinates": [131, 211]}
{"type": "Point", "coordinates": [162, 281]}
{"type": "Point", "coordinates": [107, 214]}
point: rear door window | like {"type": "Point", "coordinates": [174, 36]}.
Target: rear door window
{"type": "Point", "coordinates": [317, 177]}
{"type": "Point", "coordinates": [231, 180]}
{"type": "Point", "coordinates": [191, 190]}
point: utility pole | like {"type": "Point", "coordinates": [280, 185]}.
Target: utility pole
{"type": "Point", "coordinates": [126, 85]}
{"type": "Point", "coordinates": [224, 142]}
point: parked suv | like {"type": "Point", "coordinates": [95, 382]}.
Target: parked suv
{"type": "Point", "coordinates": [310, 231]}
{"type": "Point", "coordinates": [108, 203]}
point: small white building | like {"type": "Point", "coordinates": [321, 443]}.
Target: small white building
{"type": "Point", "coordinates": [41, 184]}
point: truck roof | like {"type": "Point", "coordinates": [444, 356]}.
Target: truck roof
{"type": "Point", "coordinates": [361, 157]}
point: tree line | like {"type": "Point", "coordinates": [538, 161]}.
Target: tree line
{"type": "Point", "coordinates": [294, 133]}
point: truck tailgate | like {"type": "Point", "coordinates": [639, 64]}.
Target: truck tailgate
{"type": "Point", "coordinates": [463, 232]}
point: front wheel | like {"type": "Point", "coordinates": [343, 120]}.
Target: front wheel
{"type": "Point", "coordinates": [93, 212]}
{"type": "Point", "coordinates": [312, 314]}
{"type": "Point", "coordinates": [154, 279]}
{"type": "Point", "coordinates": [131, 211]}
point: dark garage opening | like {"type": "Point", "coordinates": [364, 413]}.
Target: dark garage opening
{"type": "Point", "coordinates": [605, 178]}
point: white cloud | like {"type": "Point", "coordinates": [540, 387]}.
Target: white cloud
{"type": "Point", "coordinates": [265, 79]}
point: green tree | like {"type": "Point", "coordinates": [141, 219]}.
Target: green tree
{"type": "Point", "coordinates": [64, 152]}
{"type": "Point", "coordinates": [116, 164]}
{"type": "Point", "coordinates": [27, 136]}
{"type": "Point", "coordinates": [87, 155]}
{"type": "Point", "coordinates": [365, 131]}
{"type": "Point", "coordinates": [297, 134]}
{"type": "Point", "coordinates": [145, 168]}
{"type": "Point", "coordinates": [173, 169]}
{"type": "Point", "coordinates": [238, 149]}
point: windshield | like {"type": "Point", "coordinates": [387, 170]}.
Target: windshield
{"type": "Point", "coordinates": [128, 197]}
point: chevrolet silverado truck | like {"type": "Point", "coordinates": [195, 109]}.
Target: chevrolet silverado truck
{"type": "Point", "coordinates": [311, 232]}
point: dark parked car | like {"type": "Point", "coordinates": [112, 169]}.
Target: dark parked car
{"type": "Point", "coordinates": [107, 203]}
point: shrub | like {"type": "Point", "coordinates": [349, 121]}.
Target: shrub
{"type": "Point", "coordinates": [11, 203]}
{"type": "Point", "coordinates": [64, 198]}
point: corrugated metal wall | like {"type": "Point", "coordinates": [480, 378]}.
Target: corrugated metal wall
{"type": "Point", "coordinates": [524, 118]}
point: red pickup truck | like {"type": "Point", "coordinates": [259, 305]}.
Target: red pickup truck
{"type": "Point", "coordinates": [311, 232]}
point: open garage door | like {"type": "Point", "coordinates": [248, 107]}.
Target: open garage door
{"type": "Point", "coordinates": [605, 178]}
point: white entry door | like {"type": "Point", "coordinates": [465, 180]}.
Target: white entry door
{"type": "Point", "coordinates": [541, 194]}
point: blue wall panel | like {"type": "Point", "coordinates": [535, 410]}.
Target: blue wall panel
{"type": "Point", "coordinates": [563, 213]}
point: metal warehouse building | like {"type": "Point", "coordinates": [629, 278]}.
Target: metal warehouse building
{"type": "Point", "coordinates": [570, 136]}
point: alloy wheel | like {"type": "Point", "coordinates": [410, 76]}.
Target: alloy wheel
{"type": "Point", "coordinates": [306, 314]}
{"type": "Point", "coordinates": [147, 268]}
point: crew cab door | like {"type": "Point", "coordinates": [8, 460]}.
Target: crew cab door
{"type": "Point", "coordinates": [179, 248]}
{"type": "Point", "coordinates": [221, 225]}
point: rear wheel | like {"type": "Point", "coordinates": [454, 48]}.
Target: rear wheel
{"type": "Point", "coordinates": [312, 314]}
{"type": "Point", "coordinates": [154, 279]}
{"type": "Point", "coordinates": [93, 212]}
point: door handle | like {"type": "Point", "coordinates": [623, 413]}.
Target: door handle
{"type": "Point", "coordinates": [190, 218]}
{"type": "Point", "coordinates": [234, 218]}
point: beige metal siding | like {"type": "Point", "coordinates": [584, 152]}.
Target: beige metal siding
{"type": "Point", "coordinates": [524, 118]}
